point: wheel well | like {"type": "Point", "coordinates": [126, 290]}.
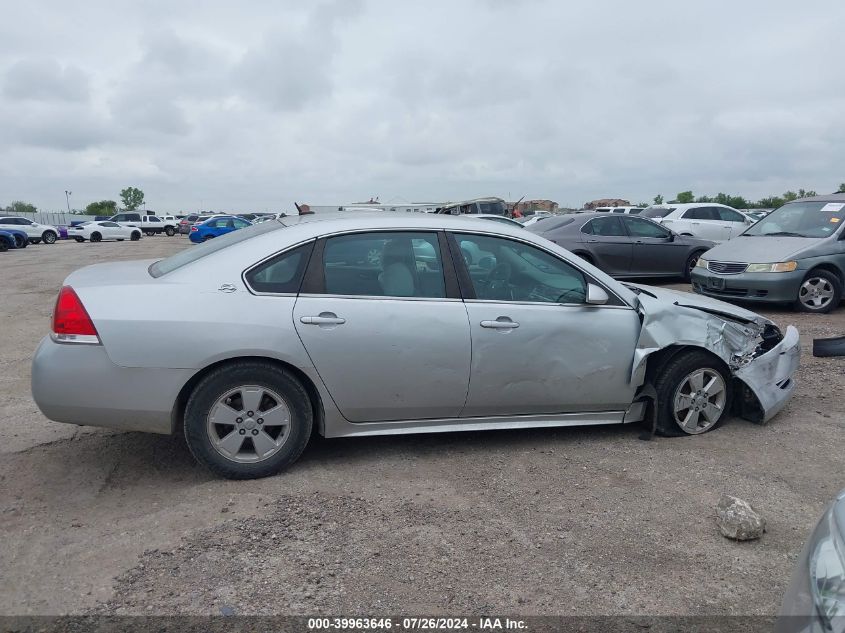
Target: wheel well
{"type": "Point", "coordinates": [658, 359]}
{"type": "Point", "coordinates": [831, 268]}
{"type": "Point", "coordinates": [177, 416]}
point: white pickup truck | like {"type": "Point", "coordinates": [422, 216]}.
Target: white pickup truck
{"type": "Point", "coordinates": [149, 224]}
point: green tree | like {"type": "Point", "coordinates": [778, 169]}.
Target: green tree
{"type": "Point", "coordinates": [132, 198]}
{"type": "Point", "coordinates": [658, 199]}
{"type": "Point", "coordinates": [704, 199]}
{"type": "Point", "coordinates": [685, 197]}
{"type": "Point", "coordinates": [789, 196]}
{"type": "Point", "coordinates": [18, 206]}
{"type": "Point", "coordinates": [806, 194]}
{"type": "Point", "coordinates": [841, 188]}
{"type": "Point", "coordinates": [103, 207]}
{"type": "Point", "coordinates": [772, 202]}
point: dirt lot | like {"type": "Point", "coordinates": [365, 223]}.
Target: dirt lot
{"type": "Point", "coordinates": [586, 521]}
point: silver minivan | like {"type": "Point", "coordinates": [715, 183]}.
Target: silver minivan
{"type": "Point", "coordinates": [796, 255]}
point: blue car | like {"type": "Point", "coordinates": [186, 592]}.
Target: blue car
{"type": "Point", "coordinates": [19, 239]}
{"type": "Point", "coordinates": [7, 241]}
{"type": "Point", "coordinates": [214, 227]}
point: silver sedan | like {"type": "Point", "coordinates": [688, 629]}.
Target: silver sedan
{"type": "Point", "coordinates": [384, 323]}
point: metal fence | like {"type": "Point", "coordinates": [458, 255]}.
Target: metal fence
{"type": "Point", "coordinates": [48, 217]}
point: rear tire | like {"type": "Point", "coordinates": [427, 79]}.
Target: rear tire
{"type": "Point", "coordinates": [136, 235]}
{"type": "Point", "coordinates": [96, 237]}
{"type": "Point", "coordinates": [820, 292]}
{"type": "Point", "coordinates": [49, 237]}
{"type": "Point", "coordinates": [169, 231]}
{"type": "Point", "coordinates": [4, 245]}
{"type": "Point", "coordinates": [687, 405]}
{"type": "Point", "coordinates": [220, 396]}
{"type": "Point", "coordinates": [691, 264]}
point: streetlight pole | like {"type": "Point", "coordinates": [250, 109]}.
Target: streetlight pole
{"type": "Point", "coordinates": [67, 199]}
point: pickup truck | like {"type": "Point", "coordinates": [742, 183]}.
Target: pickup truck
{"type": "Point", "coordinates": [149, 224]}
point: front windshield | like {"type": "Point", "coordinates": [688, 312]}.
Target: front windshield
{"type": "Point", "coordinates": [801, 219]}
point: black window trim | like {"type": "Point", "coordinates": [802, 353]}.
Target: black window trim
{"type": "Point", "coordinates": [468, 291]}
{"type": "Point", "coordinates": [314, 280]}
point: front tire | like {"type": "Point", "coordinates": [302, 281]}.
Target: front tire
{"type": "Point", "coordinates": [96, 237]}
{"type": "Point", "coordinates": [820, 292]}
{"type": "Point", "coordinates": [49, 237]}
{"type": "Point", "coordinates": [136, 235]}
{"type": "Point", "coordinates": [693, 259]}
{"type": "Point", "coordinates": [693, 394]}
{"type": "Point", "coordinates": [20, 242]}
{"type": "Point", "coordinates": [247, 420]}
{"type": "Point", "coordinates": [4, 245]}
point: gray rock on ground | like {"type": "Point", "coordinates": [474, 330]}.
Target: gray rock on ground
{"type": "Point", "coordinates": [738, 520]}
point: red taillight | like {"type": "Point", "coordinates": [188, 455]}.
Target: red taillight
{"type": "Point", "coordinates": [193, 228]}
{"type": "Point", "coordinates": [70, 318]}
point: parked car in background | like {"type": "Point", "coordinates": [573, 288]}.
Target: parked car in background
{"type": "Point", "coordinates": [265, 329]}
{"type": "Point", "coordinates": [709, 221]}
{"type": "Point", "coordinates": [215, 227]}
{"type": "Point", "coordinates": [529, 220]}
{"type": "Point", "coordinates": [7, 241]}
{"type": "Point", "coordinates": [796, 255]}
{"type": "Point", "coordinates": [815, 598]}
{"type": "Point", "coordinates": [35, 232]}
{"type": "Point", "coordinates": [624, 245]}
{"type": "Point", "coordinates": [20, 238]}
{"type": "Point", "coordinates": [623, 210]}
{"type": "Point", "coordinates": [186, 222]}
{"type": "Point", "coordinates": [485, 206]}
{"type": "Point", "coordinates": [106, 230]}
{"type": "Point", "coordinates": [149, 224]}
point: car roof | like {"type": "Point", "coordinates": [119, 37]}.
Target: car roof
{"type": "Point", "coordinates": [831, 197]}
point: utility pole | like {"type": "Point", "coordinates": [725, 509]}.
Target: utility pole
{"type": "Point", "coordinates": [67, 199]}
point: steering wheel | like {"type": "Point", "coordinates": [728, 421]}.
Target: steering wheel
{"type": "Point", "coordinates": [498, 279]}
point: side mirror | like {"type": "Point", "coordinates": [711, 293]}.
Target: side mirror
{"type": "Point", "coordinates": [596, 295]}
{"type": "Point", "coordinates": [670, 237]}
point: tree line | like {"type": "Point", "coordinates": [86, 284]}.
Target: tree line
{"type": "Point", "coordinates": [131, 197]}
{"type": "Point", "coordinates": [739, 202]}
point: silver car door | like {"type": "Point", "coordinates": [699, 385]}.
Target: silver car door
{"type": "Point", "coordinates": [383, 323]}
{"type": "Point", "coordinates": [537, 347]}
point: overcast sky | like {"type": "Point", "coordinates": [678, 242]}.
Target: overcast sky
{"type": "Point", "coordinates": [252, 105]}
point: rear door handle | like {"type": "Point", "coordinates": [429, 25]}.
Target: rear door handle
{"type": "Point", "coordinates": [325, 318]}
{"type": "Point", "coordinates": [502, 323]}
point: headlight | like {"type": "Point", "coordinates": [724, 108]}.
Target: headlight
{"type": "Point", "coordinates": [779, 267]}
{"type": "Point", "coordinates": [701, 263]}
{"type": "Point", "coordinates": [827, 572]}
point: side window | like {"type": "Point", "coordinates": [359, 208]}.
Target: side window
{"type": "Point", "coordinates": [619, 210]}
{"type": "Point", "coordinates": [384, 264]}
{"type": "Point", "coordinates": [610, 226]}
{"type": "Point", "coordinates": [240, 224]}
{"type": "Point", "coordinates": [153, 218]}
{"type": "Point", "coordinates": [636, 211]}
{"type": "Point", "coordinates": [282, 274]}
{"type": "Point", "coordinates": [120, 218]}
{"type": "Point", "coordinates": [506, 270]}
{"type": "Point", "coordinates": [109, 224]}
{"type": "Point", "coordinates": [729, 215]}
{"type": "Point", "coordinates": [639, 227]}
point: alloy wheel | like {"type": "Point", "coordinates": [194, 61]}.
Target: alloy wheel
{"type": "Point", "coordinates": [248, 424]}
{"type": "Point", "coordinates": [700, 401]}
{"type": "Point", "coordinates": [816, 293]}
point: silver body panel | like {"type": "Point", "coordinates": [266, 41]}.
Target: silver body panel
{"type": "Point", "coordinates": [394, 366]}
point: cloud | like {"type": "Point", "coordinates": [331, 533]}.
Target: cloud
{"type": "Point", "coordinates": [45, 80]}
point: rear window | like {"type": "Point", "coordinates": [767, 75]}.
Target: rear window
{"type": "Point", "coordinates": [657, 212]}
{"type": "Point", "coordinates": [550, 224]}
{"type": "Point", "coordinates": [192, 254]}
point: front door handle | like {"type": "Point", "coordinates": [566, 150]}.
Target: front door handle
{"type": "Point", "coordinates": [325, 318]}
{"type": "Point", "coordinates": [502, 323]}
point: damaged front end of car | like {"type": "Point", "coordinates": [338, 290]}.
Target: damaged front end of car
{"type": "Point", "coordinates": [762, 360]}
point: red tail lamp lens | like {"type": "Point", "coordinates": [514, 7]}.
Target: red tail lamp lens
{"type": "Point", "coordinates": [70, 316]}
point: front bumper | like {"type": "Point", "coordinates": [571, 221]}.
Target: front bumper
{"type": "Point", "coordinates": [760, 287]}
{"type": "Point", "coordinates": [771, 375]}
{"type": "Point", "coordinates": [79, 384]}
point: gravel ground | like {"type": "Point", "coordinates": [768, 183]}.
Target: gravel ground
{"type": "Point", "coordinates": [558, 521]}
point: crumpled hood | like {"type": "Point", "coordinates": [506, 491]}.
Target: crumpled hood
{"type": "Point", "coordinates": [690, 300]}
{"type": "Point", "coordinates": [759, 250]}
